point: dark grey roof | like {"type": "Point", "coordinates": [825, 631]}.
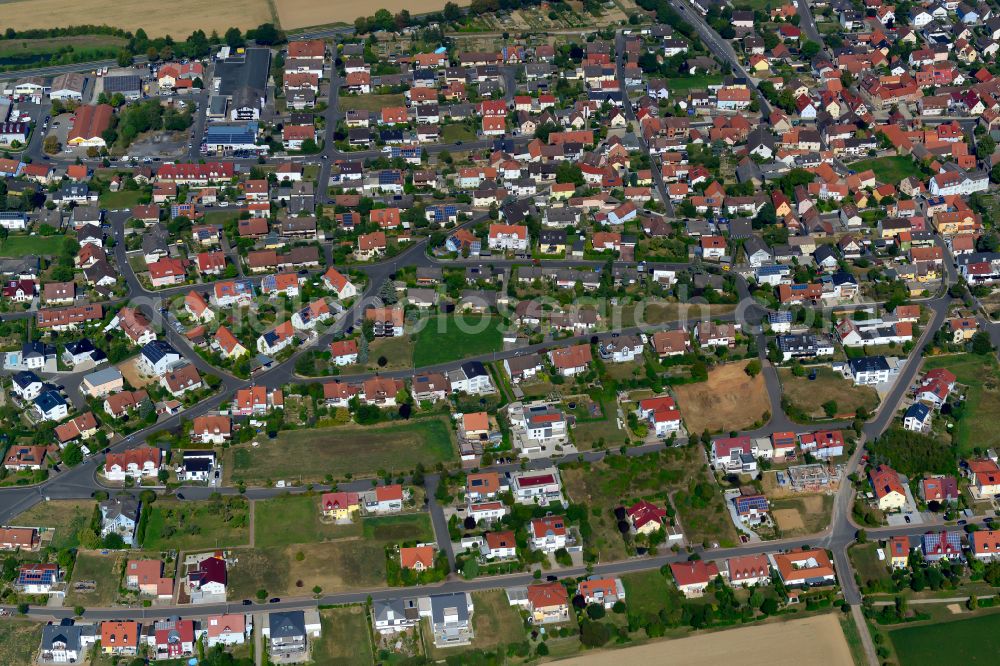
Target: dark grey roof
{"type": "Point", "coordinates": [869, 364]}
{"type": "Point", "coordinates": [289, 624]}
{"type": "Point", "coordinates": [474, 369]}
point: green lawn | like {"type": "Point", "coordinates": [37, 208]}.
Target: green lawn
{"type": "Point", "coordinates": [649, 592]}
{"type": "Point", "coordinates": [684, 84]}
{"type": "Point", "coordinates": [20, 245]}
{"type": "Point", "coordinates": [449, 338]}
{"type": "Point", "coordinates": [195, 526]}
{"type": "Point", "coordinates": [979, 374]}
{"type": "Point", "coordinates": [866, 563]}
{"type": "Point", "coordinates": [405, 527]}
{"type": "Point", "coordinates": [346, 640]}
{"type": "Point", "coordinates": [890, 169]}
{"type": "Point", "coordinates": [282, 521]}
{"type": "Point", "coordinates": [311, 455]}
{"type": "Point", "coordinates": [972, 641]}
{"type": "Point", "coordinates": [398, 353]}
{"type": "Point", "coordinates": [374, 103]}
{"type": "Point", "coordinates": [456, 132]}
{"type": "Point", "coordinates": [120, 199]}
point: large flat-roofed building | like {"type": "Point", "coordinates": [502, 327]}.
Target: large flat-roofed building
{"type": "Point", "coordinates": [242, 78]}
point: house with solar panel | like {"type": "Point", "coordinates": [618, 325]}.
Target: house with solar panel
{"type": "Point", "coordinates": [753, 509]}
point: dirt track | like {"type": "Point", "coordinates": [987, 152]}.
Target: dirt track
{"type": "Point", "coordinates": [814, 641]}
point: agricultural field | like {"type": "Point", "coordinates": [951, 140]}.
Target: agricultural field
{"type": "Point", "coordinates": [22, 245]}
{"type": "Point", "coordinates": [444, 339]}
{"type": "Point", "coordinates": [729, 400]}
{"type": "Point", "coordinates": [198, 526]}
{"type": "Point", "coordinates": [808, 396]}
{"type": "Point", "coordinates": [65, 518]}
{"type": "Point", "coordinates": [304, 13]}
{"type": "Point", "coordinates": [889, 169]}
{"type": "Point", "coordinates": [982, 399]}
{"type": "Point", "coordinates": [106, 573]}
{"type": "Point", "coordinates": [179, 19]}
{"type": "Point", "coordinates": [968, 641]}
{"type": "Point", "coordinates": [812, 641]}
{"type": "Point", "coordinates": [311, 455]}
{"type": "Point", "coordinates": [346, 640]}
{"type": "Point", "coordinates": [802, 515]}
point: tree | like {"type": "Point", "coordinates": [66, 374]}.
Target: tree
{"type": "Point", "coordinates": [124, 58]}
{"type": "Point", "coordinates": [594, 634]}
{"type": "Point", "coordinates": [470, 569]}
{"type": "Point", "coordinates": [769, 606]}
{"type": "Point", "coordinates": [981, 343]}
{"type": "Point", "coordinates": [72, 455]}
{"type": "Point", "coordinates": [266, 33]}
{"type": "Point", "coordinates": [569, 172]}
{"type": "Point", "coordinates": [830, 408]}
{"type": "Point", "coordinates": [752, 368]}
{"type": "Point", "coordinates": [542, 650]}
{"type": "Point", "coordinates": [234, 38]}
{"type": "Point", "coordinates": [809, 49]}
{"type": "Point", "coordinates": [451, 12]}
{"type": "Point", "coordinates": [595, 611]}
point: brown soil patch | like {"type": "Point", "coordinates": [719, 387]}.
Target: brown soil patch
{"type": "Point", "coordinates": [814, 641]}
{"type": "Point", "coordinates": [304, 13]}
{"type": "Point", "coordinates": [132, 375]}
{"type": "Point", "coordinates": [955, 609]}
{"type": "Point", "coordinates": [788, 519]}
{"type": "Point", "coordinates": [729, 400]}
{"type": "Point", "coordinates": [179, 18]}
{"type": "Point", "coordinates": [813, 503]}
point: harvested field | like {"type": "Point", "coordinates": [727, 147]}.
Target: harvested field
{"type": "Point", "coordinates": [304, 13]}
{"type": "Point", "coordinates": [178, 19]}
{"type": "Point", "coordinates": [788, 519]}
{"type": "Point", "coordinates": [729, 400]}
{"type": "Point", "coordinates": [814, 641]}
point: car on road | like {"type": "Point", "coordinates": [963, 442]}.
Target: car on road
{"type": "Point", "coordinates": [963, 522]}
{"type": "Point", "coordinates": [906, 518]}
{"type": "Point", "coordinates": [551, 578]}
{"type": "Point", "coordinates": [180, 496]}
{"type": "Point", "coordinates": [274, 600]}
{"type": "Point", "coordinates": [247, 602]}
